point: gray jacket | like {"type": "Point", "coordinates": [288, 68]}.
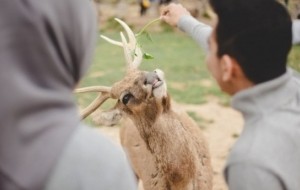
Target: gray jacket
{"type": "Point", "coordinates": [266, 156]}
{"type": "Point", "coordinates": [46, 47]}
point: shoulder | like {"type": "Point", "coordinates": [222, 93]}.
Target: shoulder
{"type": "Point", "coordinates": [92, 161]}
{"type": "Point", "coordinates": [248, 176]}
{"type": "Point", "coordinates": [261, 143]}
{"type": "Point", "coordinates": [91, 148]}
{"type": "Point", "coordinates": [270, 147]}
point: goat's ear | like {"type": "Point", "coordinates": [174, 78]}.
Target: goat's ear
{"type": "Point", "coordinates": [166, 103]}
{"type": "Point", "coordinates": [107, 118]}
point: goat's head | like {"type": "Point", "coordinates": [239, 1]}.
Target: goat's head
{"type": "Point", "coordinates": [139, 92]}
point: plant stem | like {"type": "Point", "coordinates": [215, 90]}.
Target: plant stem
{"type": "Point", "coordinates": [146, 26]}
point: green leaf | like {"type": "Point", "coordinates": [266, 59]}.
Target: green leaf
{"type": "Point", "coordinates": [144, 34]}
{"type": "Point", "coordinates": [147, 56]}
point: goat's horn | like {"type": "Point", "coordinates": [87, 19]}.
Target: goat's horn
{"type": "Point", "coordinates": [136, 51]}
{"type": "Point", "coordinates": [138, 58]}
{"type": "Point", "coordinates": [111, 41]}
{"type": "Point", "coordinates": [93, 89]}
{"type": "Point", "coordinates": [130, 34]}
{"type": "Point", "coordinates": [132, 51]}
{"type": "Point", "coordinates": [127, 51]}
{"type": "Point", "coordinates": [101, 98]}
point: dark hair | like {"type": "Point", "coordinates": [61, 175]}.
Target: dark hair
{"type": "Point", "coordinates": [257, 33]}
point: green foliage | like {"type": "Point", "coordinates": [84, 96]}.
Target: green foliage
{"type": "Point", "coordinates": [144, 34]}
{"type": "Point", "coordinates": [147, 56]}
{"type": "Point", "coordinates": [294, 58]}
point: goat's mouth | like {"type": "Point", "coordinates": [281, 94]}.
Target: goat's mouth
{"type": "Point", "coordinates": [157, 83]}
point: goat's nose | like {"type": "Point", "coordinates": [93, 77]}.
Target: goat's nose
{"type": "Point", "coordinates": [151, 77]}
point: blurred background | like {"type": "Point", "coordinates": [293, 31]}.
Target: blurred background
{"type": "Point", "coordinates": [174, 52]}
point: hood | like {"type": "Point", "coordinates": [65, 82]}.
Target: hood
{"type": "Point", "coordinates": [45, 48]}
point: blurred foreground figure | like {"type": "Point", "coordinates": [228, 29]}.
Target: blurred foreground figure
{"type": "Point", "coordinates": [46, 47]}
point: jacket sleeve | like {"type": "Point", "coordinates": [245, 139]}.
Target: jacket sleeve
{"type": "Point", "coordinates": [199, 31]}
{"type": "Point", "coordinates": [296, 32]}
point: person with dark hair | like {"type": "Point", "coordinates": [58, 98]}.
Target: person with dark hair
{"type": "Point", "coordinates": [247, 52]}
{"type": "Point", "coordinates": [46, 48]}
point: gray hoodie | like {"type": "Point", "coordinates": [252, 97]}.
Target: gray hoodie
{"type": "Point", "coordinates": [266, 156]}
{"type": "Point", "coordinates": [46, 47]}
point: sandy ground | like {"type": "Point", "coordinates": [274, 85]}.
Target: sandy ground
{"type": "Point", "coordinates": [222, 130]}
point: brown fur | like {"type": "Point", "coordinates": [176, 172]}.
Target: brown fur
{"type": "Point", "coordinates": [165, 146]}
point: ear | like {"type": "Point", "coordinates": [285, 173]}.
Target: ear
{"type": "Point", "coordinates": [166, 103]}
{"type": "Point", "coordinates": [230, 68]}
{"type": "Point", "coordinates": [226, 68]}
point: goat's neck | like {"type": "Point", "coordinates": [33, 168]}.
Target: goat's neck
{"type": "Point", "coordinates": [158, 125]}
{"type": "Point", "coordinates": [173, 158]}
{"type": "Point", "coordinates": [148, 120]}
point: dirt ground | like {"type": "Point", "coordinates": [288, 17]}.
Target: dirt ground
{"type": "Point", "coordinates": [222, 130]}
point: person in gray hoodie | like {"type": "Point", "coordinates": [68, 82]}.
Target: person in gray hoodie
{"type": "Point", "coordinates": [247, 50]}
{"type": "Point", "coordinates": [46, 47]}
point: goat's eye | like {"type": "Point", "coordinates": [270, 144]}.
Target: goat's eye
{"type": "Point", "coordinates": [126, 98]}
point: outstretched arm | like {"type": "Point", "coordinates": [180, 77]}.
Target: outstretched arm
{"type": "Point", "coordinates": [200, 32]}
{"type": "Point", "coordinates": [177, 15]}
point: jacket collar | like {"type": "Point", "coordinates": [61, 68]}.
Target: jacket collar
{"type": "Point", "coordinates": [265, 97]}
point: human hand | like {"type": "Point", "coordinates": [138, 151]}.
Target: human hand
{"type": "Point", "coordinates": [172, 13]}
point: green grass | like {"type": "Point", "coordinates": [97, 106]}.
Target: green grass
{"type": "Point", "coordinates": [176, 54]}
{"type": "Point", "coordinates": [294, 58]}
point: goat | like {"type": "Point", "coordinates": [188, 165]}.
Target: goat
{"type": "Point", "coordinates": [165, 146]}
